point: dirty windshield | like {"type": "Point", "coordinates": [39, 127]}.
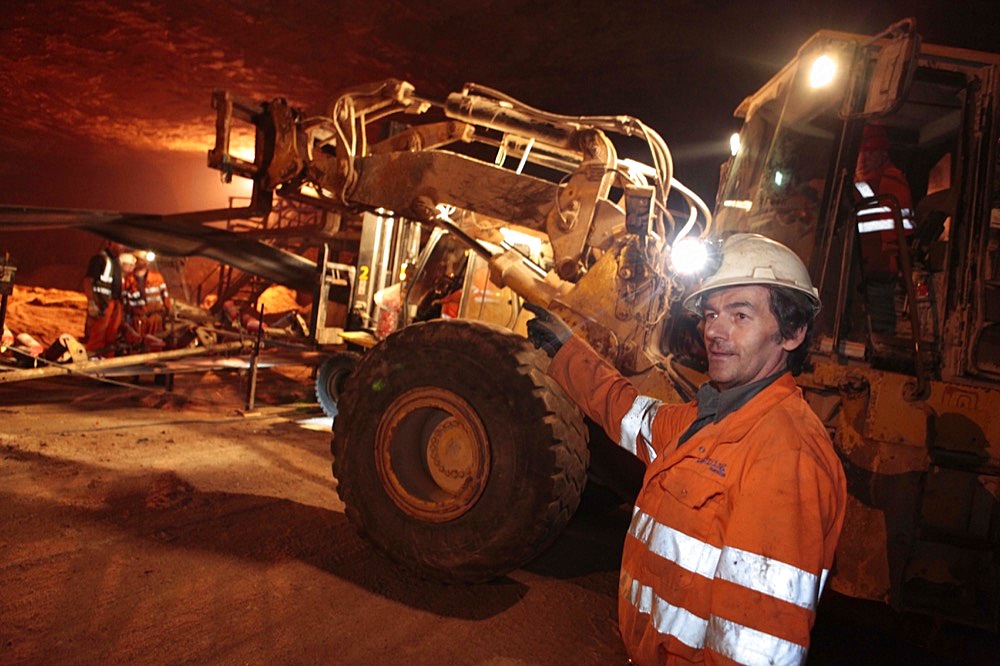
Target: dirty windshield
{"type": "Point", "coordinates": [776, 181]}
{"type": "Point", "coordinates": [439, 277]}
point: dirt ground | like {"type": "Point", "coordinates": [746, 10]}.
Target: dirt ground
{"type": "Point", "coordinates": [147, 529]}
{"type": "Point", "coordinates": [141, 526]}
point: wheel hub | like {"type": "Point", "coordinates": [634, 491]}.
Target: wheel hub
{"type": "Point", "coordinates": [432, 454]}
{"type": "Point", "coordinates": [451, 456]}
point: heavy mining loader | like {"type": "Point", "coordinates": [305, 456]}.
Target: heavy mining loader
{"type": "Point", "coordinates": [456, 455]}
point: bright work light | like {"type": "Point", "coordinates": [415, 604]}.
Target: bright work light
{"type": "Point", "coordinates": [688, 256]}
{"type": "Point", "coordinates": [822, 72]}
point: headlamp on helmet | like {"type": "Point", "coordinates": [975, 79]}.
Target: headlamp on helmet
{"type": "Point", "coordinates": [690, 256]}
{"type": "Point", "coordinates": [753, 259]}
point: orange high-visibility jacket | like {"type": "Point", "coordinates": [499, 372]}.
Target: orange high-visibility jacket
{"type": "Point", "coordinates": [105, 274]}
{"type": "Point", "coordinates": [149, 295]}
{"type": "Point", "coordinates": [878, 245]}
{"type": "Point", "coordinates": [734, 531]}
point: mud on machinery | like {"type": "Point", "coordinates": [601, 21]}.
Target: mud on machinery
{"type": "Point", "coordinates": [455, 454]}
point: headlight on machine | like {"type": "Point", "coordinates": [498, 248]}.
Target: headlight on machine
{"type": "Point", "coordinates": [822, 72]}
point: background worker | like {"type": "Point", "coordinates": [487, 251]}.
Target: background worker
{"type": "Point", "coordinates": [102, 285]}
{"type": "Point", "coordinates": [875, 174]}
{"type": "Point", "coordinates": [734, 531]}
{"type": "Point", "coordinates": [875, 169]}
{"type": "Point", "coordinates": [147, 297]}
{"type": "Point", "coordinates": [127, 261]}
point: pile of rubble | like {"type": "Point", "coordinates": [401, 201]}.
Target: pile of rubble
{"type": "Point", "coordinates": [36, 317]}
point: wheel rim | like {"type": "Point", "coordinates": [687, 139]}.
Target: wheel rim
{"type": "Point", "coordinates": [335, 382]}
{"type": "Point", "coordinates": [432, 454]}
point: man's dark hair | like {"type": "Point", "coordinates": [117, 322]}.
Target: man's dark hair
{"type": "Point", "coordinates": [793, 310]}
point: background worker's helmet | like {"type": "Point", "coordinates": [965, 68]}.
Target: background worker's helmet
{"type": "Point", "coordinates": [126, 258]}
{"type": "Point", "coordinates": [752, 259]}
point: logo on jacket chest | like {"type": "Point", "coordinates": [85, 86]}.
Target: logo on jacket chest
{"type": "Point", "coordinates": [716, 467]}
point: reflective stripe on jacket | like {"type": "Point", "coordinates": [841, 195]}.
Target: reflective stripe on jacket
{"type": "Point", "coordinates": [877, 217]}
{"type": "Point", "coordinates": [150, 293]}
{"type": "Point", "coordinates": [103, 281]}
{"type": "Point", "coordinates": [132, 293]}
{"type": "Point", "coordinates": [877, 232]}
{"type": "Point", "coordinates": [734, 531]}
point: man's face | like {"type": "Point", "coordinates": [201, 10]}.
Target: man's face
{"type": "Point", "coordinates": [742, 338]}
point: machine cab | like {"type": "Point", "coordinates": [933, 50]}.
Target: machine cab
{"type": "Point", "coordinates": [408, 273]}
{"type": "Point", "coordinates": [875, 159]}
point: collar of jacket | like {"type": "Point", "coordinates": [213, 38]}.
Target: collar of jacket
{"type": "Point", "coordinates": [738, 420]}
{"type": "Point", "coordinates": [718, 404]}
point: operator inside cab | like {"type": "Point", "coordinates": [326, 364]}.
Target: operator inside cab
{"type": "Point", "coordinates": [876, 175]}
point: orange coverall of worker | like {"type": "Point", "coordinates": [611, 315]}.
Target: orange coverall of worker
{"type": "Point", "coordinates": [879, 249]}
{"type": "Point", "coordinates": [147, 299]}
{"type": "Point", "coordinates": [103, 286]}
{"type": "Point", "coordinates": [734, 531]}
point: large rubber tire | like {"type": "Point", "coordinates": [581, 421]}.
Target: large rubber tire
{"type": "Point", "coordinates": [455, 454]}
{"type": "Point", "coordinates": [330, 377]}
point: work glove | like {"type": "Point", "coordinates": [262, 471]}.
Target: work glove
{"type": "Point", "coordinates": [546, 330]}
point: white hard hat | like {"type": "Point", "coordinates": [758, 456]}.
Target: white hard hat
{"type": "Point", "coordinates": [752, 259]}
{"type": "Point", "coordinates": [126, 258]}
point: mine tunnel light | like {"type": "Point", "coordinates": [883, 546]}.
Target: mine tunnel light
{"type": "Point", "coordinates": [734, 143]}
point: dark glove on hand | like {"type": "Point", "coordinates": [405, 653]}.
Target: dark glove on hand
{"type": "Point", "coordinates": [546, 331]}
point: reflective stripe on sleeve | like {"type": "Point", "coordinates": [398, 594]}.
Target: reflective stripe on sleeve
{"type": "Point", "coordinates": [771, 577]}
{"type": "Point", "coordinates": [668, 619]}
{"type": "Point", "coordinates": [749, 646]}
{"type": "Point", "coordinates": [683, 550]}
{"type": "Point", "coordinates": [639, 421]}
